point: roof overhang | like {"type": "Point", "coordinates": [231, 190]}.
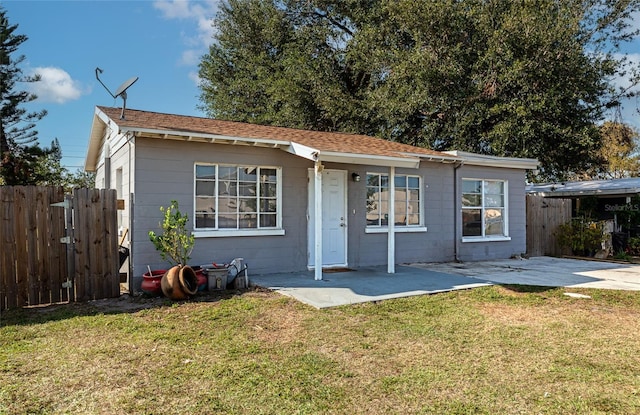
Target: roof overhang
{"type": "Point", "coordinates": [102, 122]}
{"type": "Point", "coordinates": [291, 147]}
{"type": "Point", "coordinates": [96, 137]}
{"type": "Point", "coordinates": [369, 159]}
{"type": "Point", "coordinates": [204, 138]}
{"type": "Point", "coordinates": [474, 159]}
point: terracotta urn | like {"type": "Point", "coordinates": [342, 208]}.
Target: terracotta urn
{"type": "Point", "coordinates": [179, 282]}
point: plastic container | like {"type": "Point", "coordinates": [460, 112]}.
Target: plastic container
{"type": "Point", "coordinates": [217, 278]}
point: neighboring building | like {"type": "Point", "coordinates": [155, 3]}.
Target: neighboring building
{"type": "Point", "coordinates": [606, 189]}
{"type": "Point", "coordinates": [287, 199]}
{"type": "Point", "coordinates": [615, 200]}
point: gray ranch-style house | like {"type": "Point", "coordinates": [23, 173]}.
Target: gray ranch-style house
{"type": "Point", "coordinates": [286, 200]}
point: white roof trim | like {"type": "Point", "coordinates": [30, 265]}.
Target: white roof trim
{"type": "Point", "coordinates": [204, 137]}
{"type": "Point", "coordinates": [303, 151]}
{"type": "Point", "coordinates": [369, 159]}
{"type": "Point", "coordinates": [495, 161]}
{"type": "Point", "coordinates": [96, 136]}
{"type": "Point", "coordinates": [435, 157]}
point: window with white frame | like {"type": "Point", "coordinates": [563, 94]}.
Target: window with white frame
{"type": "Point", "coordinates": [237, 197]}
{"type": "Point", "coordinates": [407, 198]}
{"type": "Point", "coordinates": [484, 208]}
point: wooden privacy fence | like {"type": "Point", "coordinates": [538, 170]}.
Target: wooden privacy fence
{"type": "Point", "coordinates": [544, 215]}
{"type": "Point", "coordinates": [56, 247]}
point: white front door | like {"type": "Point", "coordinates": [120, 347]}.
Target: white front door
{"type": "Point", "coordinates": [334, 218]}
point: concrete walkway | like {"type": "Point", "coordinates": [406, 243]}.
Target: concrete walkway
{"type": "Point", "coordinates": [375, 284]}
{"type": "Point", "coordinates": [548, 272]}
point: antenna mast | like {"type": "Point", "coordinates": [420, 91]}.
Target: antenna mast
{"type": "Point", "coordinates": [120, 92]}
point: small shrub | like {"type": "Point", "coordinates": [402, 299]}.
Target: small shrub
{"type": "Point", "coordinates": [633, 246]}
{"type": "Point", "coordinates": [622, 256]}
{"type": "Point", "coordinates": [581, 236]}
{"type": "Point", "coordinates": [176, 242]}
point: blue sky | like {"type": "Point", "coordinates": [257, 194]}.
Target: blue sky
{"type": "Point", "coordinates": [161, 42]}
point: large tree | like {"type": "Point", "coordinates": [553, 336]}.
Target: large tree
{"type": "Point", "coordinates": [530, 78]}
{"type": "Point", "coordinates": [619, 150]}
{"type": "Point", "coordinates": [19, 152]}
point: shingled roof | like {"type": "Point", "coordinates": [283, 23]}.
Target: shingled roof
{"type": "Point", "coordinates": [314, 145]}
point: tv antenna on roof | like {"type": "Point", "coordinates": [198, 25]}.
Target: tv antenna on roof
{"type": "Point", "coordinates": [120, 92]}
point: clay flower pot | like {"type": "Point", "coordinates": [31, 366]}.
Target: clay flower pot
{"type": "Point", "coordinates": [179, 282]}
{"type": "Point", "coordinates": [151, 283]}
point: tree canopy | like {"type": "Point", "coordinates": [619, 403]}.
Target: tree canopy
{"type": "Point", "coordinates": [20, 154]}
{"type": "Point", "coordinates": [531, 78]}
{"type": "Point", "coordinates": [619, 150]}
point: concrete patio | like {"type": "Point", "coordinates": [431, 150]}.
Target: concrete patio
{"type": "Point", "coordinates": [375, 284]}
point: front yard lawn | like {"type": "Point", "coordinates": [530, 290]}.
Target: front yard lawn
{"type": "Point", "coordinates": [492, 350]}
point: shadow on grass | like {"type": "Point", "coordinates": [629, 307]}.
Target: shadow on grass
{"type": "Point", "coordinates": [528, 289]}
{"type": "Point", "coordinates": [119, 305]}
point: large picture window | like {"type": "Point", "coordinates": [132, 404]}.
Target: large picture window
{"type": "Point", "coordinates": [407, 200]}
{"type": "Point", "coordinates": [237, 197]}
{"type": "Point", "coordinates": [484, 208]}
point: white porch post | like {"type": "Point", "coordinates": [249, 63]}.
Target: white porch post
{"type": "Point", "coordinates": [391, 221]}
{"type": "Point", "coordinates": [318, 167]}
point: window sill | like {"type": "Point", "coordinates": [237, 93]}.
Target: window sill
{"type": "Point", "coordinates": [398, 229]}
{"type": "Point", "coordinates": [486, 239]}
{"type": "Point", "coordinates": [226, 233]}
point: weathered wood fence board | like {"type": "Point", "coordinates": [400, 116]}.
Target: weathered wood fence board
{"type": "Point", "coordinates": [96, 244]}
{"type": "Point", "coordinates": [35, 264]}
{"type": "Point", "coordinates": [544, 215]}
{"type": "Point", "coordinates": [30, 230]}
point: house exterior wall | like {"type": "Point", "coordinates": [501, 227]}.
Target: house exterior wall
{"type": "Point", "coordinates": [434, 245]}
{"type": "Point", "coordinates": [120, 177]}
{"type": "Point", "coordinates": [164, 170]}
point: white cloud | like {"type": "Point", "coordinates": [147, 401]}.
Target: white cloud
{"type": "Point", "coordinates": [174, 9]}
{"type": "Point", "coordinates": [55, 85]}
{"type": "Point", "coordinates": [199, 12]}
{"type": "Point", "coordinates": [191, 57]}
{"type": "Point", "coordinates": [195, 77]}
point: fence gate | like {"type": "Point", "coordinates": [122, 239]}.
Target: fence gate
{"type": "Point", "coordinates": [57, 247]}
{"type": "Point", "coordinates": [544, 215]}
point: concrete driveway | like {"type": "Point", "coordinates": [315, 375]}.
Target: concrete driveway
{"type": "Point", "coordinates": [375, 284]}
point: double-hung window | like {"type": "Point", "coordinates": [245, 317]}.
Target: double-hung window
{"type": "Point", "coordinates": [407, 199]}
{"type": "Point", "coordinates": [237, 198]}
{"type": "Point", "coordinates": [484, 209]}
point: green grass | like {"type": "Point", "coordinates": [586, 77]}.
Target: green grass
{"type": "Point", "coordinates": [512, 350]}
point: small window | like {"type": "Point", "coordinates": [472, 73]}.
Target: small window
{"type": "Point", "coordinates": [407, 199]}
{"type": "Point", "coordinates": [237, 197]}
{"type": "Point", "coordinates": [484, 208]}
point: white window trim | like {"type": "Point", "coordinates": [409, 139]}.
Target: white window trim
{"type": "Point", "coordinates": [491, 238]}
{"type": "Point", "coordinates": [226, 232]}
{"type": "Point", "coordinates": [239, 232]}
{"type": "Point", "coordinates": [485, 239]}
{"type": "Point", "coordinates": [401, 228]}
{"type": "Point", "coordinates": [397, 229]}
